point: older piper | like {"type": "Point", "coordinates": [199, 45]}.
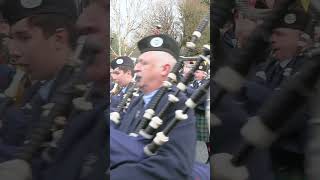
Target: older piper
{"type": "Point", "coordinates": [159, 53]}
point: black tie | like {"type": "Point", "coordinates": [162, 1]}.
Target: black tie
{"type": "Point", "coordinates": [138, 115]}
{"type": "Point", "coordinates": [277, 76]}
{"type": "Point", "coordinates": [137, 111]}
{"type": "Point", "coordinates": [196, 84]}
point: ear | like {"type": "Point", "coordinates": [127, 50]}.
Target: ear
{"type": "Point", "coordinates": [165, 69]}
{"type": "Point", "coordinates": [60, 38]}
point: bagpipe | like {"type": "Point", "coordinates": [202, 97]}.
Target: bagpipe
{"type": "Point", "coordinates": [206, 51]}
{"type": "Point", "coordinates": [230, 78]}
{"type": "Point", "coordinates": [137, 146]}
{"type": "Point", "coordinates": [61, 100]}
{"type": "Point", "coordinates": [162, 137]}
{"type": "Point", "coordinates": [131, 93]}
{"type": "Point", "coordinates": [172, 79]}
{"type": "Point", "coordinates": [18, 82]}
{"type": "Point", "coordinates": [146, 130]}
{"type": "Point", "coordinates": [133, 149]}
{"type": "Point", "coordinates": [128, 149]}
{"type": "Point", "coordinates": [115, 90]}
{"type": "Point", "coordinates": [68, 97]}
{"type": "Point", "coordinates": [262, 130]}
{"type": "Point", "coordinates": [125, 101]}
{"type": "Point", "coordinates": [14, 91]}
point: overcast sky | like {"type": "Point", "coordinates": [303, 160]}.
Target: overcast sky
{"type": "Point", "coordinates": [130, 13]}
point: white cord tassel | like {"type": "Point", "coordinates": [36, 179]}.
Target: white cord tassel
{"type": "Point", "coordinates": [15, 170]}
{"type": "Point", "coordinates": [223, 169]}
{"type": "Point", "coordinates": [12, 90]}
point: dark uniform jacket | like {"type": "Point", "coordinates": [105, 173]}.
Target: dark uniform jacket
{"type": "Point", "coordinates": [116, 99]}
{"type": "Point", "coordinates": [234, 110]}
{"type": "Point", "coordinates": [18, 121]}
{"type": "Point", "coordinates": [83, 151]}
{"type": "Point", "coordinates": [174, 160]}
{"type": "Point", "coordinates": [6, 74]}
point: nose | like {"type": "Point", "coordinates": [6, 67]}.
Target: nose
{"type": "Point", "coordinates": [137, 68]}
{"type": "Point", "coordinates": [273, 39]}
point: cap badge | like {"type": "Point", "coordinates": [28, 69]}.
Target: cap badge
{"type": "Point", "coordinates": [156, 42]}
{"type": "Point", "coordinates": [119, 61]}
{"type": "Point", "coordinates": [262, 75]}
{"type": "Point", "coordinates": [30, 3]}
{"type": "Point", "coordinates": [290, 18]}
{"type": "Point", "coordinates": [287, 72]}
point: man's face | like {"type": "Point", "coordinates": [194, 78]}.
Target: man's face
{"type": "Point", "coordinates": [199, 75]}
{"type": "Point", "coordinates": [284, 43]}
{"type": "Point", "coordinates": [93, 22]}
{"type": "Point", "coordinates": [148, 69]}
{"type": "Point", "coordinates": [186, 68]}
{"type": "Point", "coordinates": [30, 48]}
{"type": "Point", "coordinates": [121, 77]}
{"type": "Point", "coordinates": [111, 77]}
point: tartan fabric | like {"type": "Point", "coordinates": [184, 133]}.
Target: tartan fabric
{"type": "Point", "coordinates": [202, 127]}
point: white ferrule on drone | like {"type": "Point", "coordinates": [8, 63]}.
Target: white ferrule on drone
{"type": "Point", "coordinates": [180, 115]}
{"type": "Point", "coordinates": [182, 87]}
{"type": "Point", "coordinates": [172, 98]}
{"type": "Point", "coordinates": [190, 103]}
{"type": "Point", "coordinates": [229, 79]}
{"type": "Point", "coordinates": [257, 133]}
{"type": "Point", "coordinates": [172, 76]}
{"type": "Point", "coordinates": [190, 45]}
{"type": "Point", "coordinates": [156, 122]}
{"type": "Point", "coordinates": [115, 117]}
{"type": "Point", "coordinates": [148, 113]}
{"type": "Point", "coordinates": [167, 84]}
{"type": "Point", "coordinates": [160, 138]}
{"type": "Point", "coordinates": [197, 34]}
